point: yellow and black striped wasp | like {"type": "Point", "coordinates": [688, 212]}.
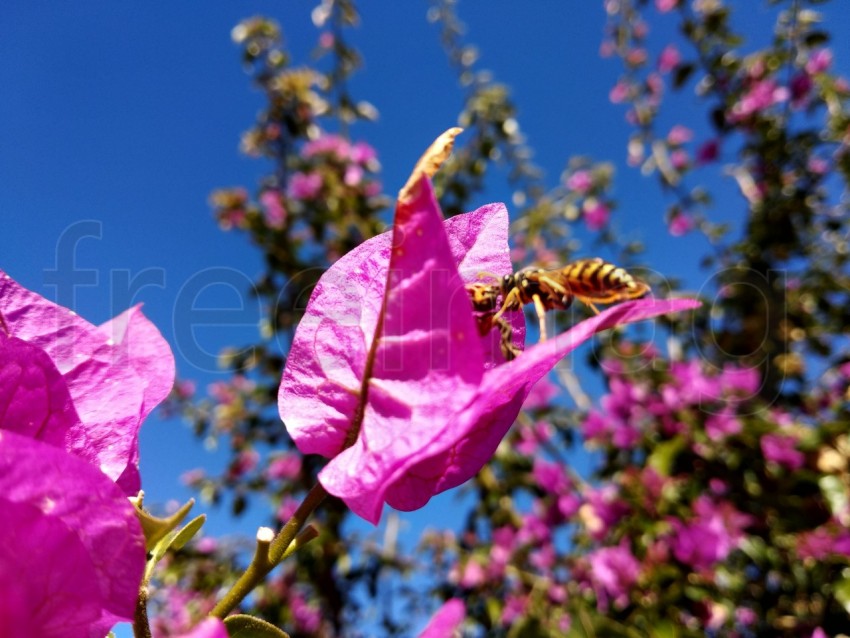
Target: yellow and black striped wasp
{"type": "Point", "coordinates": [591, 281]}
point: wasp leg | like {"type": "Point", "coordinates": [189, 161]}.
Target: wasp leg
{"type": "Point", "coordinates": [588, 301]}
{"type": "Point", "coordinates": [506, 342]}
{"type": "Point", "coordinates": [541, 315]}
{"type": "Point", "coordinates": [511, 301]}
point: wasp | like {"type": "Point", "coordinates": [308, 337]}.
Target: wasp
{"type": "Point", "coordinates": [591, 281]}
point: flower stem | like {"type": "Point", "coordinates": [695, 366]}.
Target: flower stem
{"type": "Point", "coordinates": [264, 561]}
{"type": "Point", "coordinates": [141, 625]}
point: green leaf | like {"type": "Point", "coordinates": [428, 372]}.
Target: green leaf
{"type": "Point", "coordinates": [582, 625]}
{"type": "Point", "coordinates": [834, 492]}
{"type": "Point", "coordinates": [175, 540]}
{"type": "Point", "coordinates": [841, 589]}
{"type": "Point", "coordinates": [188, 532]}
{"type": "Point", "coordinates": [664, 455]}
{"type": "Point", "coordinates": [242, 626]}
{"type": "Point", "coordinates": [664, 629]}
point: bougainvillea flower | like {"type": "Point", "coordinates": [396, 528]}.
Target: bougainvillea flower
{"type": "Point", "coordinates": [71, 549]}
{"type": "Point", "coordinates": [446, 621]}
{"type": "Point", "coordinates": [387, 375]}
{"type": "Point", "coordinates": [209, 628]}
{"type": "Point", "coordinates": [114, 374]}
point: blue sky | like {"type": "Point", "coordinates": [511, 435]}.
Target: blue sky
{"type": "Point", "coordinates": [118, 119]}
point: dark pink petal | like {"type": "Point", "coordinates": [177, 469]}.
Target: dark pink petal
{"type": "Point", "coordinates": [478, 430]}
{"type": "Point", "coordinates": [76, 535]}
{"type": "Point", "coordinates": [324, 370]}
{"type": "Point", "coordinates": [446, 621]}
{"type": "Point", "coordinates": [34, 400]}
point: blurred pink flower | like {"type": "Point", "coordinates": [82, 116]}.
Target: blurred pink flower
{"type": "Point", "coordinates": [515, 607]}
{"type": "Point", "coordinates": [782, 450]}
{"type": "Point", "coordinates": [446, 622]}
{"type": "Point", "coordinates": [353, 175]}
{"type": "Point", "coordinates": [761, 95]}
{"type": "Point", "coordinates": [819, 61]}
{"type": "Point", "coordinates": [473, 575]}
{"type": "Point", "coordinates": [620, 92]}
{"type": "Point", "coordinates": [680, 224]}
{"type": "Point", "coordinates": [669, 58]}
{"type": "Point", "coordinates": [746, 616]}
{"type": "Point", "coordinates": [273, 206]}
{"type": "Point", "coordinates": [719, 426]}
{"type": "Point", "coordinates": [541, 394]}
{"type": "Point", "coordinates": [602, 510]}
{"type": "Point", "coordinates": [710, 536]}
{"type": "Point", "coordinates": [304, 185]}
{"type": "Point", "coordinates": [680, 159]}
{"type": "Point", "coordinates": [207, 628]}
{"type": "Point", "coordinates": [550, 477]}
{"type": "Point", "coordinates": [327, 144]}
{"type": "Point", "coordinates": [666, 5]}
{"type": "Point", "coordinates": [679, 135]}
{"type": "Point", "coordinates": [580, 182]}
{"type": "Point", "coordinates": [326, 40]}
{"type": "Point", "coordinates": [284, 466]}
{"type": "Point", "coordinates": [596, 215]}
{"type": "Point", "coordinates": [362, 153]}
{"type": "Point", "coordinates": [613, 572]}
{"type": "Point", "coordinates": [287, 508]}
{"type": "Point", "coordinates": [307, 617]}
{"type": "Point", "coordinates": [387, 375]}
{"type": "Point", "coordinates": [818, 165]}
{"type": "Point", "coordinates": [84, 388]}
{"type": "Point", "coordinates": [636, 56]}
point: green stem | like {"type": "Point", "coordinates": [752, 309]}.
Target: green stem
{"type": "Point", "coordinates": [263, 562]}
{"type": "Point", "coordinates": [141, 625]}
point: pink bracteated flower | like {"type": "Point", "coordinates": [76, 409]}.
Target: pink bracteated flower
{"type": "Point", "coordinates": [71, 549]}
{"type": "Point", "coordinates": [208, 628]}
{"type": "Point", "coordinates": [97, 383]}
{"type": "Point", "coordinates": [446, 621]}
{"type": "Point", "coordinates": [387, 375]}
{"type": "Point", "coordinates": [613, 571]}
